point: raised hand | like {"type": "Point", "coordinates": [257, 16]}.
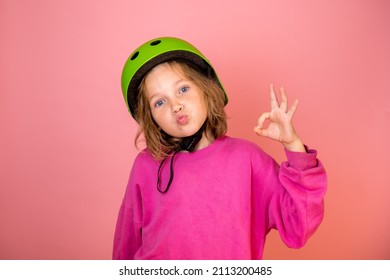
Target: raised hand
{"type": "Point", "coordinates": [280, 127]}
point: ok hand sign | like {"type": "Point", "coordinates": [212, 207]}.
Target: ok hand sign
{"type": "Point", "coordinates": [280, 126]}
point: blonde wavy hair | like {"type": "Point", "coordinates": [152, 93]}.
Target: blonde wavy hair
{"type": "Point", "coordinates": [160, 144]}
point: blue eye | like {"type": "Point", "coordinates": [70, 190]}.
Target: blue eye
{"type": "Point", "coordinates": [159, 103]}
{"type": "Point", "coordinates": [184, 89]}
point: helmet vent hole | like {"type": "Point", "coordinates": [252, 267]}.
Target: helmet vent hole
{"type": "Point", "coordinates": [155, 43]}
{"type": "Point", "coordinates": [134, 56]}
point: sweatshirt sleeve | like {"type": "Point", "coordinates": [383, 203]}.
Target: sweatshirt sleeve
{"type": "Point", "coordinates": [296, 208]}
{"type": "Point", "coordinates": [128, 237]}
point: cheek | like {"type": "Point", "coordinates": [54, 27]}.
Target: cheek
{"type": "Point", "coordinates": [154, 117]}
{"type": "Point", "coordinates": [159, 116]}
{"type": "Point", "coordinates": [203, 107]}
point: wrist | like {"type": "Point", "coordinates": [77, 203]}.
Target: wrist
{"type": "Point", "coordinates": [295, 146]}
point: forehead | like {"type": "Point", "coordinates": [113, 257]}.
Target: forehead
{"type": "Point", "coordinates": [164, 75]}
{"type": "Point", "coordinates": [167, 67]}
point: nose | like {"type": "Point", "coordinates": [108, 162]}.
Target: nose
{"type": "Point", "coordinates": [177, 107]}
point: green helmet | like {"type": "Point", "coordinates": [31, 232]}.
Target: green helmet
{"type": "Point", "coordinates": [157, 51]}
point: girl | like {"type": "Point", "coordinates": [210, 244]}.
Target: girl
{"type": "Point", "coordinates": [195, 193]}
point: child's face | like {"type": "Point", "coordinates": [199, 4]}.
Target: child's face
{"type": "Point", "coordinates": [176, 103]}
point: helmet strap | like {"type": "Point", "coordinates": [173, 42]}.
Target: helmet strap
{"type": "Point", "coordinates": [187, 144]}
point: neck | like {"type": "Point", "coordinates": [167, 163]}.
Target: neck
{"type": "Point", "coordinates": [206, 140]}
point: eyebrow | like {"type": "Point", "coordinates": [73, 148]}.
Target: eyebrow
{"type": "Point", "coordinates": [153, 96]}
{"type": "Point", "coordinates": [181, 80]}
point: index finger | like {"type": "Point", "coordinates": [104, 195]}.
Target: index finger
{"type": "Point", "coordinates": [274, 100]}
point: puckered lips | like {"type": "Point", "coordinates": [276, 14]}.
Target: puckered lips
{"type": "Point", "coordinates": [182, 119]}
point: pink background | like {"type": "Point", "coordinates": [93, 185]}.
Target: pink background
{"type": "Point", "coordinates": [67, 138]}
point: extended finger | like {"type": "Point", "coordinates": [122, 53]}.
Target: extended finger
{"type": "Point", "coordinates": [293, 108]}
{"type": "Point", "coordinates": [283, 103]}
{"type": "Point", "coordinates": [274, 100]}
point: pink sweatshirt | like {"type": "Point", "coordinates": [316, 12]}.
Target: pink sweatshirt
{"type": "Point", "coordinates": [223, 201]}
